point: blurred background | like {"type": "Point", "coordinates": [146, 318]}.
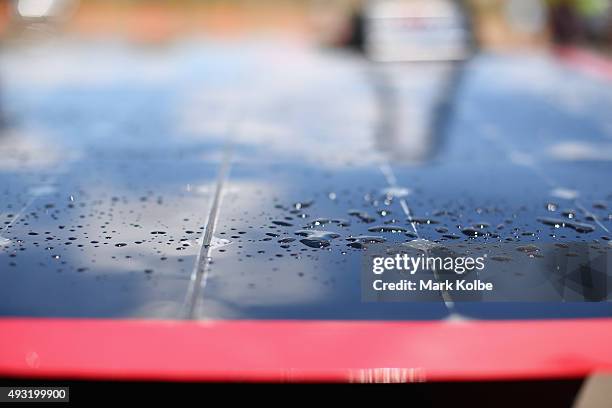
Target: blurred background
{"type": "Point", "coordinates": [498, 24]}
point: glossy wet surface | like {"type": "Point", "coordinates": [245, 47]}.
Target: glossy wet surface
{"type": "Point", "coordinates": [216, 181]}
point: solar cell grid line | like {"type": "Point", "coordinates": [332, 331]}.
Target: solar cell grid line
{"type": "Point", "coordinates": [591, 214]}
{"type": "Point", "coordinates": [387, 172]}
{"type": "Point", "coordinates": [510, 150]}
{"type": "Point", "coordinates": [391, 180]}
{"type": "Point", "coordinates": [24, 208]}
{"type": "Point", "coordinates": [17, 216]}
{"type": "Point", "coordinates": [199, 273]}
{"type": "Point", "coordinates": [384, 103]}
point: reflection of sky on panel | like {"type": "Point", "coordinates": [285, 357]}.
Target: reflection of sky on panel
{"type": "Point", "coordinates": [108, 244]}
{"type": "Point", "coordinates": [133, 145]}
{"type": "Point", "coordinates": [257, 276]}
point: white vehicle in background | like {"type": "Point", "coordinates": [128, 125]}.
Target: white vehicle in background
{"type": "Point", "coordinates": [417, 49]}
{"type": "Point", "coordinates": [416, 30]}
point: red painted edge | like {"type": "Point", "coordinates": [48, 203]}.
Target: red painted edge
{"type": "Point", "coordinates": [303, 350]}
{"type": "Point", "coordinates": [585, 60]}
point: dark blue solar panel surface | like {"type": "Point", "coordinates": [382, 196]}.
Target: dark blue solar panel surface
{"type": "Point", "coordinates": [159, 182]}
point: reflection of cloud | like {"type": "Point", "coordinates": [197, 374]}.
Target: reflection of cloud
{"type": "Point", "coordinates": [55, 65]}
{"type": "Point", "coordinates": [319, 110]}
{"type": "Point", "coordinates": [521, 159]}
{"type": "Point", "coordinates": [153, 257]}
{"type": "Point", "coordinates": [132, 222]}
{"type": "Point", "coordinates": [137, 223]}
{"type": "Point", "coordinates": [26, 151]}
{"type": "Point", "coordinates": [581, 151]}
{"type": "Point", "coordinates": [42, 190]}
{"type": "Point", "coordinates": [234, 188]}
{"type": "Point", "coordinates": [564, 193]}
{"type": "Point", "coordinates": [324, 111]}
{"type": "Point", "coordinates": [335, 143]}
{"type": "Point", "coordinates": [542, 76]}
